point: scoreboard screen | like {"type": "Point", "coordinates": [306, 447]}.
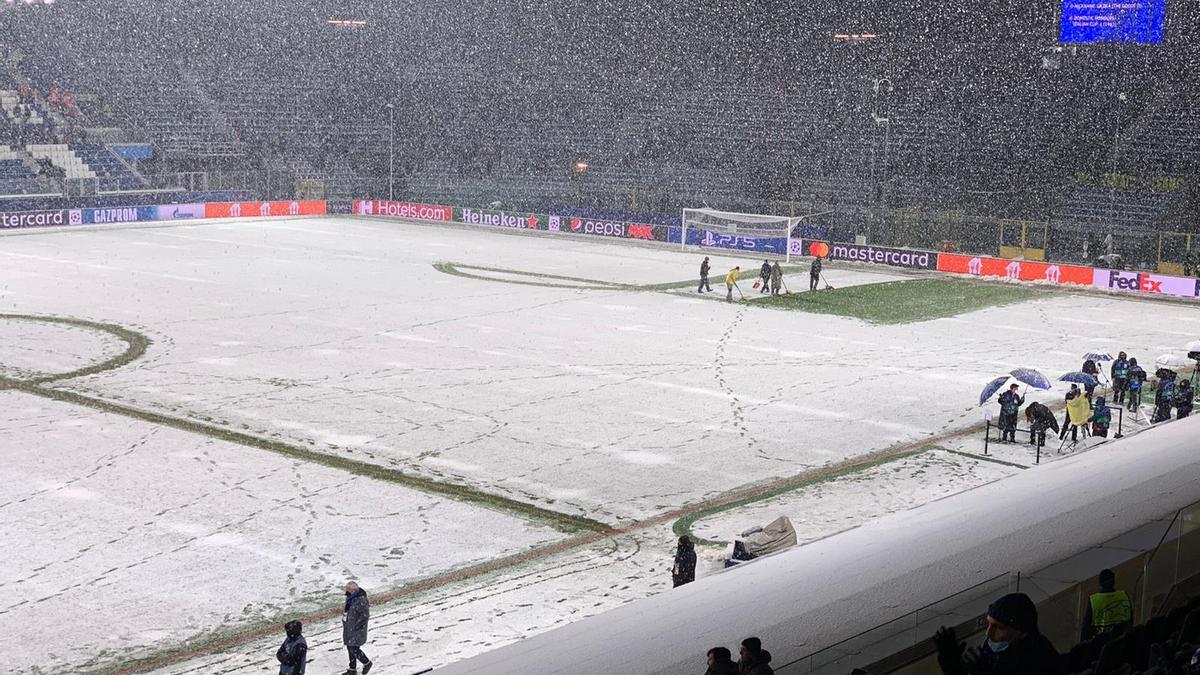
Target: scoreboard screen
{"type": "Point", "coordinates": [1089, 21]}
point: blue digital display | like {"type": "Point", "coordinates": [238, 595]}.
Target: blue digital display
{"type": "Point", "coordinates": [1086, 21]}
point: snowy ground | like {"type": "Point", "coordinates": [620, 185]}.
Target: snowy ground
{"type": "Point", "coordinates": [340, 336]}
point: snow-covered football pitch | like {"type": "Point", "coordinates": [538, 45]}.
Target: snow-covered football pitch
{"type": "Point", "coordinates": [208, 428]}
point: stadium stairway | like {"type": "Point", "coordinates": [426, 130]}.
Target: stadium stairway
{"type": "Point", "coordinates": [62, 156]}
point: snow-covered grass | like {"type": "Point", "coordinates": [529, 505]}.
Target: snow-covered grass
{"type": "Point", "coordinates": [907, 301]}
{"type": "Point", "coordinates": [341, 336]}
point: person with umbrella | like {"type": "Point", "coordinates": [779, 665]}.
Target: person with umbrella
{"type": "Point", "coordinates": [1137, 378]}
{"type": "Point", "coordinates": [1089, 367]}
{"type": "Point", "coordinates": [1010, 404]}
{"type": "Point", "coordinates": [1040, 418]}
{"type": "Point", "coordinates": [1120, 378]}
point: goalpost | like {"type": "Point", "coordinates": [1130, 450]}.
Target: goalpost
{"type": "Point", "coordinates": [765, 235]}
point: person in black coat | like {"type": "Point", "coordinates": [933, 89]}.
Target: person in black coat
{"type": "Point", "coordinates": [293, 653]}
{"type": "Point", "coordinates": [720, 662]}
{"type": "Point", "coordinates": [1010, 404]}
{"type": "Point", "coordinates": [1120, 378]}
{"type": "Point", "coordinates": [684, 570]}
{"type": "Point", "coordinates": [1013, 644]}
{"type": "Point", "coordinates": [1183, 399]}
{"type": "Point", "coordinates": [1040, 419]}
{"type": "Point", "coordinates": [354, 627]}
{"type": "Point", "coordinates": [814, 273]}
{"type": "Point", "coordinates": [704, 268]}
{"type": "Point", "coordinates": [1090, 368]}
{"type": "Point", "coordinates": [764, 276]}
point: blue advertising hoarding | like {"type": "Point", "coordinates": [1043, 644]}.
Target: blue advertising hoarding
{"type": "Point", "coordinates": [1091, 21]}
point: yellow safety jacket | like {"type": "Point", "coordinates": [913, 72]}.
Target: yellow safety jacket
{"type": "Point", "coordinates": [1110, 610]}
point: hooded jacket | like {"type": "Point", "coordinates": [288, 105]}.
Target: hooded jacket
{"type": "Point", "coordinates": [759, 665]}
{"type": "Point", "coordinates": [354, 621]}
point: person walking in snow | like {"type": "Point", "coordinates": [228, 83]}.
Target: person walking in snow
{"type": "Point", "coordinates": [1120, 378]}
{"type": "Point", "coordinates": [764, 277]}
{"type": "Point", "coordinates": [354, 628]}
{"type": "Point", "coordinates": [684, 570]}
{"type": "Point", "coordinates": [776, 278]}
{"type": "Point", "coordinates": [731, 280]}
{"type": "Point", "coordinates": [293, 653]}
{"type": "Point", "coordinates": [704, 269]}
{"type": "Point", "coordinates": [1010, 404]}
{"type": "Point", "coordinates": [814, 273]}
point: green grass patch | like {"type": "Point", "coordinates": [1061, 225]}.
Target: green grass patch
{"type": "Point", "coordinates": [906, 301]}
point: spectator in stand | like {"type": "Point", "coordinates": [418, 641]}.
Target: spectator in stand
{"type": "Point", "coordinates": [24, 93]}
{"type": "Point", "coordinates": [1108, 611]}
{"type": "Point", "coordinates": [1120, 378]}
{"type": "Point", "coordinates": [68, 101]}
{"type": "Point", "coordinates": [54, 97]}
{"type": "Point", "coordinates": [293, 653]}
{"type": "Point", "coordinates": [1040, 419]}
{"type": "Point", "coordinates": [1183, 399]}
{"type": "Point", "coordinates": [684, 570]}
{"type": "Point", "coordinates": [1137, 378]}
{"type": "Point", "coordinates": [754, 659]}
{"type": "Point", "coordinates": [1013, 644]}
{"type": "Point", "coordinates": [720, 662]}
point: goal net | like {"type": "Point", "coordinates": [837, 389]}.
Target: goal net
{"type": "Point", "coordinates": [747, 232]}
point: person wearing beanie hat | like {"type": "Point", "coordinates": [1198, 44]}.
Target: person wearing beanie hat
{"type": "Point", "coordinates": [754, 659]}
{"type": "Point", "coordinates": [1013, 645]}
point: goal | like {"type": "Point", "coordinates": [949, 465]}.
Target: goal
{"type": "Point", "coordinates": [748, 232]}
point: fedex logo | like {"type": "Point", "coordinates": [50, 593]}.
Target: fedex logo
{"type": "Point", "coordinates": [1134, 282]}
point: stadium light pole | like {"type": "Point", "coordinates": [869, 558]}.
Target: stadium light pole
{"type": "Point", "coordinates": [876, 120]}
{"type": "Point", "coordinates": [391, 151]}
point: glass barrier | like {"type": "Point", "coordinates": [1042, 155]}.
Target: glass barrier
{"type": "Point", "coordinates": [880, 642]}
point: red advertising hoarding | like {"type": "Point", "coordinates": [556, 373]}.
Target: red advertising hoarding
{"type": "Point", "coordinates": [263, 209]}
{"type": "Point", "coordinates": [1021, 270]}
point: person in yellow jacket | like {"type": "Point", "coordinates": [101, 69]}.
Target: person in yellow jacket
{"type": "Point", "coordinates": [1107, 611]}
{"type": "Point", "coordinates": [1079, 411]}
{"type": "Point", "coordinates": [731, 281]}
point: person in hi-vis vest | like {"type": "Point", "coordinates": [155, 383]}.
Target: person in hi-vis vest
{"type": "Point", "coordinates": [1107, 611]}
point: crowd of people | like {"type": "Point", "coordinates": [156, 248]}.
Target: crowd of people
{"type": "Point", "coordinates": [1173, 398]}
{"type": "Point", "coordinates": [770, 278]}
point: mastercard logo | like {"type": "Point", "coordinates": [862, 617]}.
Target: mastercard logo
{"type": "Point", "coordinates": [819, 249]}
